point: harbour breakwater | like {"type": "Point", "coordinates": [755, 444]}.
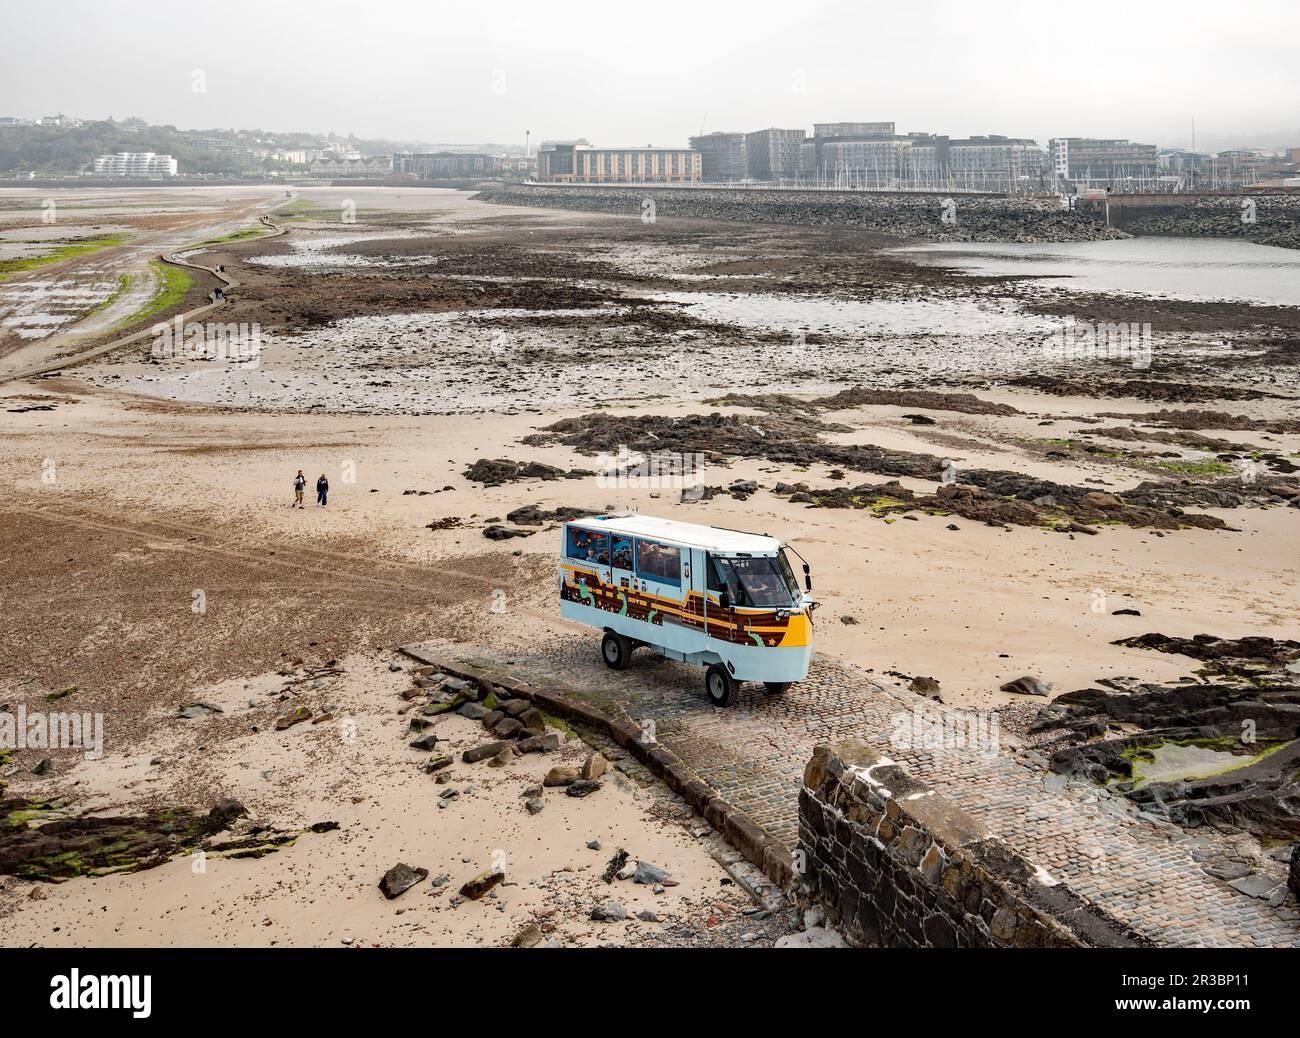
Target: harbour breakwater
{"type": "Point", "coordinates": [1272, 219]}
{"type": "Point", "coordinates": [923, 217]}
{"type": "Point", "coordinates": [1266, 219]}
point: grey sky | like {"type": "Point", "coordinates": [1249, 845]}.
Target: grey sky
{"type": "Point", "coordinates": [616, 73]}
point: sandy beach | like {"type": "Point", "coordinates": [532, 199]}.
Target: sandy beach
{"type": "Point", "coordinates": [438, 331]}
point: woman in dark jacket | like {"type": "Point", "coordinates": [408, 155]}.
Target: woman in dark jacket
{"type": "Point", "coordinates": [322, 490]}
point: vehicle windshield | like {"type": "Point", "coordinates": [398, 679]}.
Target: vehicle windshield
{"type": "Point", "coordinates": [763, 582]}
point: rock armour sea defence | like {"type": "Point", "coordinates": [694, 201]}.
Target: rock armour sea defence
{"type": "Point", "coordinates": [920, 217]}
{"type": "Point", "coordinates": [1273, 219]}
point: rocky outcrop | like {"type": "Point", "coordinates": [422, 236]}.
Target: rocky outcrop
{"type": "Point", "coordinates": [962, 403]}
{"type": "Point", "coordinates": [1005, 499]}
{"type": "Point", "coordinates": [36, 842]}
{"type": "Point", "coordinates": [495, 472]}
{"type": "Point", "coordinates": [779, 438]}
{"type": "Point", "coordinates": [1252, 713]}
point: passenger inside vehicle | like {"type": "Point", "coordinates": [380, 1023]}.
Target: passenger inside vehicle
{"type": "Point", "coordinates": [588, 546]}
{"type": "Point", "coordinates": [659, 562]}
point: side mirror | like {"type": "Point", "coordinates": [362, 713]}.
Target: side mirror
{"type": "Point", "coordinates": [724, 600]}
{"type": "Point", "coordinates": [807, 577]}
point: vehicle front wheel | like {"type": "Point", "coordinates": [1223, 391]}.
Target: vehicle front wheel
{"type": "Point", "coordinates": [718, 684]}
{"type": "Point", "coordinates": [616, 651]}
{"type": "Point", "coordinates": [777, 686]}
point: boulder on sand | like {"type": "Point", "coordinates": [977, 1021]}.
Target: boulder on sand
{"type": "Point", "coordinates": [291, 717]}
{"type": "Point", "coordinates": [609, 912]}
{"type": "Point", "coordinates": [478, 753]}
{"type": "Point", "coordinates": [561, 776]}
{"type": "Point", "coordinates": [651, 874]}
{"type": "Point", "coordinates": [401, 878]}
{"type": "Point", "coordinates": [547, 743]}
{"type": "Point", "coordinates": [482, 883]}
{"type": "Point", "coordinates": [1027, 686]}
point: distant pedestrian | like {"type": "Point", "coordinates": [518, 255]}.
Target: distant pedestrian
{"type": "Point", "coordinates": [322, 490]}
{"type": "Point", "coordinates": [299, 485]}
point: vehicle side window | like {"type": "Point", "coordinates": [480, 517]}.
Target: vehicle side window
{"type": "Point", "coordinates": [588, 546]}
{"type": "Point", "coordinates": [660, 562]}
{"type": "Point", "coordinates": [716, 582]}
{"type": "Point", "coordinates": [622, 552]}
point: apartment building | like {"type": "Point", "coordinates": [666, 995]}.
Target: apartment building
{"type": "Point", "coordinates": [722, 156]}
{"type": "Point", "coordinates": [221, 146]}
{"type": "Point", "coordinates": [555, 159]}
{"type": "Point", "coordinates": [136, 164]}
{"type": "Point", "coordinates": [773, 154]}
{"type": "Point", "coordinates": [808, 171]}
{"type": "Point", "coordinates": [445, 165]}
{"type": "Point", "coordinates": [928, 159]}
{"type": "Point", "coordinates": [350, 169]}
{"type": "Point", "coordinates": [577, 162]}
{"type": "Point", "coordinates": [994, 162]}
{"type": "Point", "coordinates": [880, 129]}
{"type": "Point", "coordinates": [871, 162]}
{"type": "Point", "coordinates": [636, 165]}
{"type": "Point", "coordinates": [1097, 162]}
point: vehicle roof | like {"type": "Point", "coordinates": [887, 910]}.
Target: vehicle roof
{"type": "Point", "coordinates": [710, 538]}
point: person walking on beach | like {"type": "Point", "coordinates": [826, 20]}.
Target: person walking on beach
{"type": "Point", "coordinates": [322, 490]}
{"type": "Point", "coordinates": [299, 484]}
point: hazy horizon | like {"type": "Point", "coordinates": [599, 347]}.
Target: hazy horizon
{"type": "Point", "coordinates": [451, 72]}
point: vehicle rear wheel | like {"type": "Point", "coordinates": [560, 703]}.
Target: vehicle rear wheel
{"type": "Point", "coordinates": [777, 686]}
{"type": "Point", "coordinates": [718, 684]}
{"type": "Point", "coordinates": [616, 651]}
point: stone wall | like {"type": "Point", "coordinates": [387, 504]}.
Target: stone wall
{"type": "Point", "coordinates": [893, 864]}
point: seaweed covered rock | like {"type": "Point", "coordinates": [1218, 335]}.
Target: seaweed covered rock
{"type": "Point", "coordinates": [61, 847]}
{"type": "Point", "coordinates": [494, 472]}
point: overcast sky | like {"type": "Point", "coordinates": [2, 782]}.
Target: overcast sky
{"type": "Point", "coordinates": [447, 71]}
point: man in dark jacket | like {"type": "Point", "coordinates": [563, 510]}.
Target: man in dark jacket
{"type": "Point", "coordinates": [322, 490]}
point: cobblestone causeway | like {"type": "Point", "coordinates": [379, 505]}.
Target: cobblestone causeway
{"type": "Point", "coordinates": [754, 752]}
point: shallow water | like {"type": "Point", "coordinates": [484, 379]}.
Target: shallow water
{"type": "Point", "coordinates": [1175, 268]}
{"type": "Point", "coordinates": [1186, 762]}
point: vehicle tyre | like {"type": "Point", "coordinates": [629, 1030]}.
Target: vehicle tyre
{"type": "Point", "coordinates": [718, 685]}
{"type": "Point", "coordinates": [777, 686]}
{"type": "Point", "coordinates": [616, 651]}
